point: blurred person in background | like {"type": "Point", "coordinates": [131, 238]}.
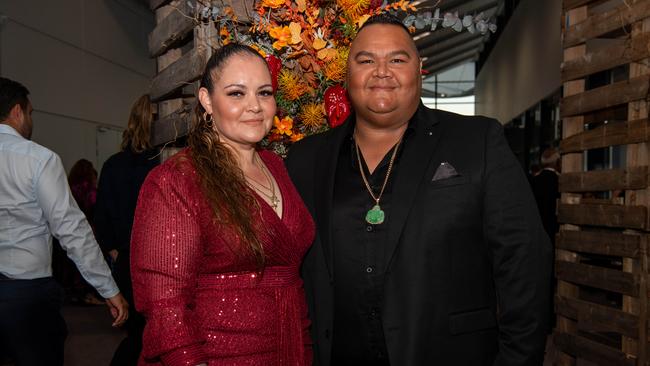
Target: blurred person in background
{"type": "Point", "coordinates": [119, 185]}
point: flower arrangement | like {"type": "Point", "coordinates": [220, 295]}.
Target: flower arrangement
{"type": "Point", "coordinates": [306, 45]}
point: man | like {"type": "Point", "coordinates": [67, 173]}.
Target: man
{"type": "Point", "coordinates": [429, 248]}
{"type": "Point", "coordinates": [36, 203]}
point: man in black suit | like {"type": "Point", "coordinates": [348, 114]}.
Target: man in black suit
{"type": "Point", "coordinates": [430, 250]}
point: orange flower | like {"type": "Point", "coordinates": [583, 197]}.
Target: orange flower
{"type": "Point", "coordinates": [297, 137]}
{"type": "Point", "coordinates": [258, 49]}
{"type": "Point", "coordinates": [274, 4]}
{"type": "Point", "coordinates": [283, 126]}
{"type": "Point", "coordinates": [312, 115]}
{"type": "Point", "coordinates": [291, 85]}
{"type": "Point", "coordinates": [335, 70]}
{"type": "Point", "coordinates": [283, 36]}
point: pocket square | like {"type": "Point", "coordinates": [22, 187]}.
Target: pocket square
{"type": "Point", "coordinates": [444, 171]}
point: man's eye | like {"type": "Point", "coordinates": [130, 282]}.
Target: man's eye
{"type": "Point", "coordinates": [365, 61]}
{"type": "Point", "coordinates": [398, 61]}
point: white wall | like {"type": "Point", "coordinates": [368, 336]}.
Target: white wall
{"type": "Point", "coordinates": [84, 62]}
{"type": "Point", "coordinates": [524, 66]}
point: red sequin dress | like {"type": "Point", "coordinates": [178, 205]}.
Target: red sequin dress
{"type": "Point", "coordinates": [203, 302]}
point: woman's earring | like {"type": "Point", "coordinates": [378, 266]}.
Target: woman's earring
{"type": "Point", "coordinates": [205, 118]}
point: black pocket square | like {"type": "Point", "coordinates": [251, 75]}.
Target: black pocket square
{"type": "Point", "coordinates": [444, 171]}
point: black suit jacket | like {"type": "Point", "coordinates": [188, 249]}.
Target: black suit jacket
{"type": "Point", "coordinates": [467, 279]}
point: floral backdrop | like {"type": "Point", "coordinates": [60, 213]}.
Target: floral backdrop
{"type": "Point", "coordinates": [306, 45]}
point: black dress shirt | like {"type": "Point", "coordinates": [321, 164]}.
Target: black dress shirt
{"type": "Point", "coordinates": [359, 258]}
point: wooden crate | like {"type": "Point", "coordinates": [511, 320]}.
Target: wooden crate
{"type": "Point", "coordinates": [601, 263]}
{"type": "Point", "coordinates": [182, 44]}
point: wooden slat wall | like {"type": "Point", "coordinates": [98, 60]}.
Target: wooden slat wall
{"type": "Point", "coordinates": [182, 46]}
{"type": "Point", "coordinates": [601, 249]}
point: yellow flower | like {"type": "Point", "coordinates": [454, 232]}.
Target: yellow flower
{"type": "Point", "coordinates": [354, 8]}
{"type": "Point", "coordinates": [274, 4]}
{"type": "Point", "coordinates": [258, 49]}
{"type": "Point", "coordinates": [283, 36]}
{"type": "Point", "coordinates": [312, 115]}
{"type": "Point", "coordinates": [297, 137]}
{"type": "Point", "coordinates": [283, 126]}
{"type": "Point", "coordinates": [335, 70]}
{"type": "Point", "coordinates": [291, 85]}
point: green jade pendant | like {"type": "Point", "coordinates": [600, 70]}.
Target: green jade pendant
{"type": "Point", "coordinates": [375, 215]}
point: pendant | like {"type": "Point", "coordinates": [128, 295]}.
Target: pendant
{"type": "Point", "coordinates": [375, 215]}
{"type": "Point", "coordinates": [274, 202]}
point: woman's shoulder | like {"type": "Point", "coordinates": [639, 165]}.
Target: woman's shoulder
{"type": "Point", "coordinates": [174, 168]}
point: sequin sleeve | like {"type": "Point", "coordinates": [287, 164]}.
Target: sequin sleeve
{"type": "Point", "coordinates": [165, 256]}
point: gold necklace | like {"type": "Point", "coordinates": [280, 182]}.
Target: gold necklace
{"type": "Point", "coordinates": [375, 215]}
{"type": "Point", "coordinates": [275, 201]}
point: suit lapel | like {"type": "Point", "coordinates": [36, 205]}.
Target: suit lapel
{"type": "Point", "coordinates": [413, 164]}
{"type": "Point", "coordinates": [324, 176]}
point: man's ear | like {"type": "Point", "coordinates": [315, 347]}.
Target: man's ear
{"type": "Point", "coordinates": [16, 113]}
{"type": "Point", "coordinates": [204, 99]}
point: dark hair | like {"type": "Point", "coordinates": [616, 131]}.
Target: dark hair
{"type": "Point", "coordinates": [220, 176]}
{"type": "Point", "coordinates": [82, 171]}
{"type": "Point", "coordinates": [12, 93]}
{"type": "Point", "coordinates": [386, 19]}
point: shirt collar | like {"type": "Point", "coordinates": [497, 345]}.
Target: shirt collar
{"type": "Point", "coordinates": [5, 128]}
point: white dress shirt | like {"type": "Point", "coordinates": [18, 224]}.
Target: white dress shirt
{"type": "Point", "coordinates": [36, 203]}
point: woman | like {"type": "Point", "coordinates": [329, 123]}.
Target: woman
{"type": "Point", "coordinates": [220, 232]}
{"type": "Point", "coordinates": [83, 185]}
{"type": "Point", "coordinates": [119, 185]}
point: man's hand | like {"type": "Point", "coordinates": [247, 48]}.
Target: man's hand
{"type": "Point", "coordinates": [113, 254]}
{"type": "Point", "coordinates": [119, 309]}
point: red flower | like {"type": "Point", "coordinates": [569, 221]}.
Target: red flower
{"type": "Point", "coordinates": [337, 105]}
{"type": "Point", "coordinates": [275, 65]}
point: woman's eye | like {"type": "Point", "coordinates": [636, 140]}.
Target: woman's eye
{"type": "Point", "coordinates": [266, 93]}
{"type": "Point", "coordinates": [235, 94]}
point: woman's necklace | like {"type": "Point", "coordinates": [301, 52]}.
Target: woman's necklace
{"type": "Point", "coordinates": [375, 215]}
{"type": "Point", "coordinates": [272, 197]}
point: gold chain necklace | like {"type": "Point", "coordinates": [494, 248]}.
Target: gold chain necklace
{"type": "Point", "coordinates": [275, 201]}
{"type": "Point", "coordinates": [375, 215]}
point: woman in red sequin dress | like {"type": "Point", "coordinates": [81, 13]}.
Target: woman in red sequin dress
{"type": "Point", "coordinates": [220, 232]}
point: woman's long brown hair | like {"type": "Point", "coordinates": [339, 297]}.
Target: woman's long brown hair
{"type": "Point", "coordinates": [138, 131]}
{"type": "Point", "coordinates": [222, 180]}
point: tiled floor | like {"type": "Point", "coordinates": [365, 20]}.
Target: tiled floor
{"type": "Point", "coordinates": [91, 339]}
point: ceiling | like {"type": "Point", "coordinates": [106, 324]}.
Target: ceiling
{"type": "Point", "coordinates": [445, 49]}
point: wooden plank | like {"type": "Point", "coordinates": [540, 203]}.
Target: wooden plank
{"type": "Point", "coordinates": [631, 50]}
{"type": "Point", "coordinates": [611, 134]}
{"type": "Point", "coordinates": [599, 24]}
{"type": "Point", "coordinates": [597, 318]}
{"type": "Point", "coordinates": [243, 9]}
{"type": "Point", "coordinates": [599, 242]}
{"type": "Point", "coordinates": [571, 4]}
{"type": "Point", "coordinates": [155, 4]}
{"type": "Point", "coordinates": [598, 277]}
{"type": "Point", "coordinates": [591, 351]}
{"type": "Point", "coordinates": [173, 126]}
{"type": "Point", "coordinates": [606, 96]}
{"type": "Point", "coordinates": [604, 180]}
{"type": "Point", "coordinates": [631, 217]}
{"type": "Point", "coordinates": [172, 29]}
{"type": "Point", "coordinates": [186, 69]}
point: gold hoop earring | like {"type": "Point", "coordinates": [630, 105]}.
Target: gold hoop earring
{"type": "Point", "coordinates": [205, 118]}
